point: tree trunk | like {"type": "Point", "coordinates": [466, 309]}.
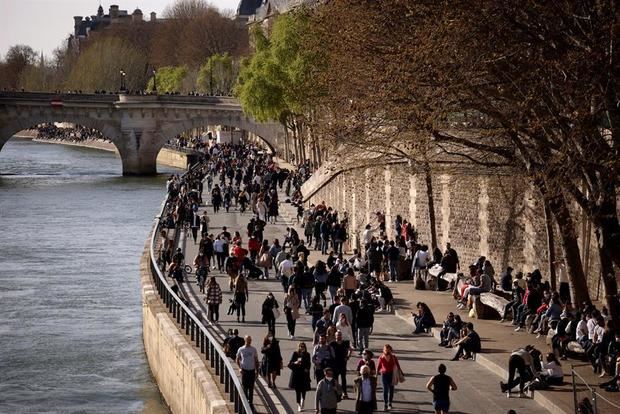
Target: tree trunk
{"type": "Point", "coordinates": [608, 275]}
{"type": "Point", "coordinates": [570, 246]}
{"type": "Point", "coordinates": [287, 155]}
{"type": "Point", "coordinates": [431, 203]}
{"type": "Point", "coordinates": [550, 245]}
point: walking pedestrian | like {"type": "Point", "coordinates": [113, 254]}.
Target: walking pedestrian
{"type": "Point", "coordinates": [440, 385]}
{"type": "Point", "coordinates": [366, 388]}
{"type": "Point", "coordinates": [240, 295]}
{"type": "Point", "coordinates": [213, 299]}
{"type": "Point", "coordinates": [247, 360]}
{"type": "Point", "coordinates": [391, 373]}
{"type": "Point", "coordinates": [342, 352]}
{"type": "Point", "coordinates": [291, 310]}
{"type": "Point", "coordinates": [322, 357]}
{"type": "Point", "coordinates": [272, 359]}
{"type": "Point", "coordinates": [328, 394]}
{"type": "Point", "coordinates": [300, 374]}
{"type": "Point", "coordinates": [269, 309]}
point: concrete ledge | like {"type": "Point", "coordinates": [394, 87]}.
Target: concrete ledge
{"type": "Point", "coordinates": [181, 373]}
{"type": "Point", "coordinates": [540, 397]}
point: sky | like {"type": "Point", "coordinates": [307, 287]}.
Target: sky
{"type": "Point", "coordinates": [44, 24]}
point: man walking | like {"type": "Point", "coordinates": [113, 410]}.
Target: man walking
{"type": "Point", "coordinates": [328, 394]}
{"type": "Point", "coordinates": [247, 359]}
{"type": "Point", "coordinates": [366, 387]}
{"type": "Point", "coordinates": [440, 385]}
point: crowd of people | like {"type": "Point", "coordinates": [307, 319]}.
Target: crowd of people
{"type": "Point", "coordinates": [341, 294]}
{"type": "Point", "coordinates": [74, 133]}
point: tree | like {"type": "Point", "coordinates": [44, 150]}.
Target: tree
{"type": "Point", "coordinates": [17, 60]}
{"type": "Point", "coordinates": [216, 77]}
{"type": "Point", "coordinates": [169, 79]}
{"type": "Point", "coordinates": [530, 85]}
{"type": "Point", "coordinates": [273, 84]}
{"type": "Point", "coordinates": [99, 67]}
{"type": "Point", "coordinates": [192, 31]}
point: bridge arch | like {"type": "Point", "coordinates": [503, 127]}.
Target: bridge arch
{"type": "Point", "coordinates": [268, 133]}
{"type": "Point", "coordinates": [110, 129]}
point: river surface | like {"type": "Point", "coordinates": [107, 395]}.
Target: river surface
{"type": "Point", "coordinates": [73, 230]}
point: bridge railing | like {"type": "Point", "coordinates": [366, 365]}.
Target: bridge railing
{"type": "Point", "coordinates": [195, 329]}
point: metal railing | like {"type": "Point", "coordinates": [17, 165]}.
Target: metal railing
{"type": "Point", "coordinates": [208, 345]}
{"type": "Point", "coordinates": [596, 402]}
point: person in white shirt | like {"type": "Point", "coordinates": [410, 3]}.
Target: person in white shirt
{"type": "Point", "coordinates": [367, 236]}
{"type": "Point", "coordinates": [420, 261]}
{"type": "Point", "coordinates": [218, 248]}
{"type": "Point", "coordinates": [247, 359]}
{"type": "Point", "coordinates": [552, 371]}
{"type": "Point", "coordinates": [286, 268]}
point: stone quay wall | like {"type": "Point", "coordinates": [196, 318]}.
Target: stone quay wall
{"type": "Point", "coordinates": [183, 379]}
{"type": "Point", "coordinates": [498, 216]}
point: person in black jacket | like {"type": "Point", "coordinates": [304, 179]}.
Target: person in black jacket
{"type": "Point", "coordinates": [365, 322]}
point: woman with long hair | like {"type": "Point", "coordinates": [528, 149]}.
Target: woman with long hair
{"type": "Point", "coordinates": [344, 326]}
{"type": "Point", "coordinates": [299, 365]}
{"type": "Point", "coordinates": [291, 310]}
{"type": "Point", "coordinates": [390, 371]}
{"type": "Point", "coordinates": [272, 359]}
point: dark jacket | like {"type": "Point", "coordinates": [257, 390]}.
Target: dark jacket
{"type": "Point", "coordinates": [358, 388]}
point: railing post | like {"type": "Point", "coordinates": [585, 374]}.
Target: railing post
{"type": "Point", "coordinates": [572, 373]}
{"type": "Point", "coordinates": [594, 401]}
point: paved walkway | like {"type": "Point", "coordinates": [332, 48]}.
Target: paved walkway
{"type": "Point", "coordinates": [498, 340]}
{"type": "Point", "coordinates": [419, 355]}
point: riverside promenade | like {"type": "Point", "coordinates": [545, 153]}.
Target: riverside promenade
{"type": "Point", "coordinates": [419, 355]}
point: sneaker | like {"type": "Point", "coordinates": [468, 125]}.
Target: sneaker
{"type": "Point", "coordinates": [390, 406]}
{"type": "Point", "coordinates": [503, 387]}
{"type": "Point", "coordinates": [299, 407]}
{"type": "Point", "coordinates": [538, 336]}
{"type": "Point", "coordinates": [602, 374]}
{"type": "Point", "coordinates": [385, 408]}
{"type": "Point", "coordinates": [518, 329]}
{"type": "Point", "coordinates": [502, 320]}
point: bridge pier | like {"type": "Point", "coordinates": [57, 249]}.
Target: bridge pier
{"type": "Point", "coordinates": [138, 150]}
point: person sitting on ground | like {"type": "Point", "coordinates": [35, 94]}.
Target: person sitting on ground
{"type": "Point", "coordinates": [468, 344]}
{"type": "Point", "coordinates": [552, 371]}
{"type": "Point", "coordinates": [564, 333]}
{"type": "Point", "coordinates": [448, 325]}
{"type": "Point", "coordinates": [424, 320]}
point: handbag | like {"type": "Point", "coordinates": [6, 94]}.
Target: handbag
{"type": "Point", "coordinates": [276, 313]}
{"type": "Point", "coordinates": [398, 376]}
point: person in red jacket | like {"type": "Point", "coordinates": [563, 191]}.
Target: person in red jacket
{"type": "Point", "coordinates": [389, 367]}
{"type": "Point", "coordinates": [239, 252]}
{"type": "Point", "coordinates": [253, 247]}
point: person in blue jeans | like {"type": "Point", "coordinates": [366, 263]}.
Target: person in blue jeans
{"type": "Point", "coordinates": [388, 366]}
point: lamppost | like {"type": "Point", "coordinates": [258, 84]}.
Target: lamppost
{"type": "Point", "coordinates": [154, 81]}
{"type": "Point", "coordinates": [123, 85]}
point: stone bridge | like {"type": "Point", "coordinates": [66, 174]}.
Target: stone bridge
{"type": "Point", "coordinates": [139, 126]}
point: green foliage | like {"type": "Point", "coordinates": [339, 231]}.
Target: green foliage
{"type": "Point", "coordinates": [273, 85]}
{"type": "Point", "coordinates": [99, 67]}
{"type": "Point", "coordinates": [169, 79]}
{"type": "Point", "coordinates": [216, 77]}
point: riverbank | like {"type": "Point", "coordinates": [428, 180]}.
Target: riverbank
{"type": "Point", "coordinates": [166, 156]}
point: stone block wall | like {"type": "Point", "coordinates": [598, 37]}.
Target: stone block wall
{"type": "Point", "coordinates": [498, 216]}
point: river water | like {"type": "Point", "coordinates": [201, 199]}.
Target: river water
{"type": "Point", "coordinates": [73, 230]}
